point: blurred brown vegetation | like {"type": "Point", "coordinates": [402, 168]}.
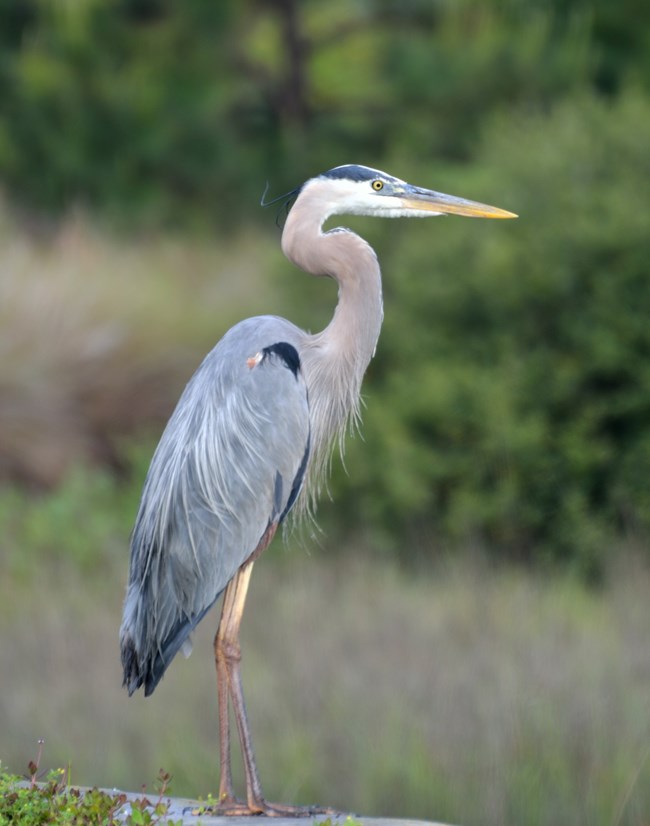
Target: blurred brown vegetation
{"type": "Point", "coordinates": [97, 337]}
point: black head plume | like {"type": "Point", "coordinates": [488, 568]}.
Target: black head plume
{"type": "Point", "coordinates": [288, 198]}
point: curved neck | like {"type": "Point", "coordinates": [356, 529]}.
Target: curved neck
{"type": "Point", "coordinates": [340, 254]}
{"type": "Point", "coordinates": [335, 360]}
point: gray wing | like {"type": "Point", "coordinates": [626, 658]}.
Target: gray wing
{"type": "Point", "coordinates": [229, 464]}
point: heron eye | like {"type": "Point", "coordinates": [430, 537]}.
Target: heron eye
{"type": "Point", "coordinates": [377, 185]}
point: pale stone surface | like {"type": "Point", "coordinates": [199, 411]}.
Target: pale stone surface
{"type": "Point", "coordinates": [180, 809]}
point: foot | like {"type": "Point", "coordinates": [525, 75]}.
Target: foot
{"type": "Point", "coordinates": [232, 807]}
{"type": "Point", "coordinates": [287, 810]}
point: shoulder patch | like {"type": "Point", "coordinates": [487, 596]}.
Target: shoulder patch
{"type": "Point", "coordinates": [287, 352]}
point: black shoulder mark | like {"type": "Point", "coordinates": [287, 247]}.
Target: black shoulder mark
{"type": "Point", "coordinates": [287, 352]}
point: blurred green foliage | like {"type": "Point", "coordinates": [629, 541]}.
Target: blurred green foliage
{"type": "Point", "coordinates": [510, 398]}
{"type": "Point", "coordinates": [86, 512]}
{"type": "Point", "coordinates": [162, 110]}
{"type": "Point", "coordinates": [53, 800]}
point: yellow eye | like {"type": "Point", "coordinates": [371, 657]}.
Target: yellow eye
{"type": "Point", "coordinates": [377, 185]}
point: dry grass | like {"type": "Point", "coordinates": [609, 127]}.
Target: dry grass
{"type": "Point", "coordinates": [98, 335]}
{"type": "Point", "coordinates": [472, 696]}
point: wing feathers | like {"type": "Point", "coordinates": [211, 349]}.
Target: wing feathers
{"type": "Point", "coordinates": [230, 461]}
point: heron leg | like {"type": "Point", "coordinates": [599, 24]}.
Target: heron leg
{"type": "Point", "coordinates": [229, 684]}
{"type": "Point", "coordinates": [226, 789]}
{"type": "Point", "coordinates": [228, 657]}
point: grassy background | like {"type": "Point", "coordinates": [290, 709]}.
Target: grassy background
{"type": "Point", "coordinates": [464, 692]}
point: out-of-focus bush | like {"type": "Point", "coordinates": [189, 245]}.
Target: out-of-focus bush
{"type": "Point", "coordinates": [509, 402]}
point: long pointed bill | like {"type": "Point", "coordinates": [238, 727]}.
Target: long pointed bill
{"type": "Point", "coordinates": [426, 200]}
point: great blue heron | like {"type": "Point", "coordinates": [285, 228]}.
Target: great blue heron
{"type": "Point", "coordinates": [249, 439]}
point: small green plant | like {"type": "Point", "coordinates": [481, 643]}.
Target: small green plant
{"type": "Point", "coordinates": [31, 802]}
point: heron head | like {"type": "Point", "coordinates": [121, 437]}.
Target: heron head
{"type": "Point", "coordinates": [360, 190]}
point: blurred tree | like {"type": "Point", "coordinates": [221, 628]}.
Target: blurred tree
{"type": "Point", "coordinates": [153, 109]}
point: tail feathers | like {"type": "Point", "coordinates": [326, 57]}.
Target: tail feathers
{"type": "Point", "coordinates": [146, 668]}
{"type": "Point", "coordinates": [132, 678]}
